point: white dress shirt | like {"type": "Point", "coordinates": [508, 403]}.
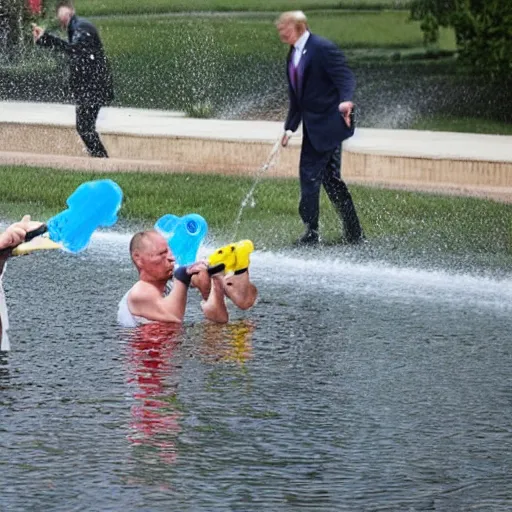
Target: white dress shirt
{"type": "Point", "coordinates": [299, 47]}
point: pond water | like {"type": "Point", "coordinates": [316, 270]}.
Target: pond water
{"type": "Point", "coordinates": [351, 386]}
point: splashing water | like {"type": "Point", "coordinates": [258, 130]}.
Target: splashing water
{"type": "Point", "coordinates": [249, 198]}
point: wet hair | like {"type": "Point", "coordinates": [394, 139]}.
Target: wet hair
{"type": "Point", "coordinates": [298, 18]}
{"type": "Point", "coordinates": [64, 3]}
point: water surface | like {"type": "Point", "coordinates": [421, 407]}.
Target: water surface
{"type": "Point", "coordinates": [352, 385]}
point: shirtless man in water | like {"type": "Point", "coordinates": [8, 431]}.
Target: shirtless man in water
{"type": "Point", "coordinates": [147, 301]}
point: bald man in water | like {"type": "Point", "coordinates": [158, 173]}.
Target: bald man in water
{"type": "Point", "coordinates": [150, 299]}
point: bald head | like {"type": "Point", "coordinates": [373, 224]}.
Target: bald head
{"type": "Point", "coordinates": [151, 256]}
{"type": "Point", "coordinates": [141, 243]}
{"type": "Point", "coordinates": [291, 25]}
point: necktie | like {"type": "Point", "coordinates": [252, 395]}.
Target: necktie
{"type": "Point", "coordinates": [294, 70]}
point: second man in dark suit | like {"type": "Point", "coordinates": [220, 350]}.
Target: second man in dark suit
{"type": "Point", "coordinates": [90, 78]}
{"type": "Point", "coordinates": [320, 87]}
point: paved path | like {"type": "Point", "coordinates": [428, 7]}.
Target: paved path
{"type": "Point", "coordinates": [413, 143]}
{"type": "Point", "coordinates": [43, 135]}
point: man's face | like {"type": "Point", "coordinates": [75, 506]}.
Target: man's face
{"type": "Point", "coordinates": [64, 15]}
{"type": "Point", "coordinates": [156, 259]}
{"type": "Point", "coordinates": [288, 32]}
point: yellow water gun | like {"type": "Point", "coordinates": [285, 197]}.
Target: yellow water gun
{"type": "Point", "coordinates": [231, 258]}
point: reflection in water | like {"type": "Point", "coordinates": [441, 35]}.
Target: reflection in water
{"type": "Point", "coordinates": [153, 350]}
{"type": "Point", "coordinates": [155, 415]}
{"type": "Point", "coordinates": [227, 343]}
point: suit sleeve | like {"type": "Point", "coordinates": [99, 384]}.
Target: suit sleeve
{"type": "Point", "coordinates": [337, 69]}
{"type": "Point", "coordinates": [80, 43]}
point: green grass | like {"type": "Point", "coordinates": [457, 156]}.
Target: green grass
{"type": "Point", "coordinates": [395, 219]}
{"type": "Point", "coordinates": [213, 66]}
{"type": "Point", "coordinates": [233, 67]}
{"type": "Point", "coordinates": [391, 29]}
{"type": "Point", "coordinates": [175, 63]}
{"type": "Point", "coordinates": [102, 7]}
{"type": "Point", "coordinates": [465, 124]}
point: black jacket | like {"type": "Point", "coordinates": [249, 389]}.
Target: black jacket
{"type": "Point", "coordinates": [90, 78]}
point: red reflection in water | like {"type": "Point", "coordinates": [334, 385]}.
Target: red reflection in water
{"type": "Point", "coordinates": [152, 348]}
{"type": "Point", "coordinates": [155, 419]}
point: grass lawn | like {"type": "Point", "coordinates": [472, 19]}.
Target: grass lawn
{"type": "Point", "coordinates": [395, 219]}
{"type": "Point", "coordinates": [174, 63]}
{"type": "Point", "coordinates": [465, 124]}
{"type": "Point", "coordinates": [233, 67]}
{"type": "Point", "coordinates": [168, 36]}
{"type": "Point", "coordinates": [100, 7]}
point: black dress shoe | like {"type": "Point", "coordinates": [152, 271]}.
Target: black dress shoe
{"type": "Point", "coordinates": [310, 237]}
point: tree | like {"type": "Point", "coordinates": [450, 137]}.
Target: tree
{"type": "Point", "coordinates": [483, 31]}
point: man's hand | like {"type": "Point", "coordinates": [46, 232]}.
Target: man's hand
{"type": "Point", "coordinates": [15, 234]}
{"type": "Point", "coordinates": [12, 237]}
{"type": "Point", "coordinates": [37, 32]}
{"type": "Point", "coordinates": [197, 267]}
{"type": "Point", "coordinates": [287, 135]}
{"type": "Point", "coordinates": [345, 108]}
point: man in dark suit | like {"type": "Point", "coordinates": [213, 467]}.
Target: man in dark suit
{"type": "Point", "coordinates": [320, 88]}
{"type": "Point", "coordinates": [90, 78]}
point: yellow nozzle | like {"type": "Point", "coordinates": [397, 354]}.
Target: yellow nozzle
{"type": "Point", "coordinates": [224, 255]}
{"type": "Point", "coordinates": [234, 256]}
{"type": "Point", "coordinates": [243, 250]}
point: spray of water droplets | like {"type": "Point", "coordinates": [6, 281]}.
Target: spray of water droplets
{"type": "Point", "coordinates": [271, 162]}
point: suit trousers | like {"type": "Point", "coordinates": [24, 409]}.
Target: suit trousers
{"type": "Point", "coordinates": [86, 116]}
{"type": "Point", "coordinates": [318, 169]}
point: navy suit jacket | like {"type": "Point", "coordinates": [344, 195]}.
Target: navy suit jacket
{"type": "Point", "coordinates": [325, 81]}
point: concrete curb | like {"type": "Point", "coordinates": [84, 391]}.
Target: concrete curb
{"type": "Point", "coordinates": [157, 141]}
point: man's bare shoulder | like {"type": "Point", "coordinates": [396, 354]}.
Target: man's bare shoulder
{"type": "Point", "coordinates": [142, 291]}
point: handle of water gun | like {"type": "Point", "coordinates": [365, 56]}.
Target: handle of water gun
{"type": "Point", "coordinates": [43, 228]}
{"type": "Point", "coordinates": [216, 269]}
{"type": "Point", "coordinates": [29, 236]}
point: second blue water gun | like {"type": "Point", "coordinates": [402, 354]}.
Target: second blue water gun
{"type": "Point", "coordinates": [183, 234]}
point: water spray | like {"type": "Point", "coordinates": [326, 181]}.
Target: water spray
{"type": "Point", "coordinates": [258, 175]}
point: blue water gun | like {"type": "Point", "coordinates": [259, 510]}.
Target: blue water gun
{"type": "Point", "coordinates": [92, 205]}
{"type": "Point", "coordinates": [183, 234]}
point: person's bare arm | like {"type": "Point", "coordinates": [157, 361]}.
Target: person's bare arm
{"type": "Point", "coordinates": [240, 290]}
{"type": "Point", "coordinates": [146, 301]}
{"type": "Point", "coordinates": [214, 308]}
{"type": "Point", "coordinates": [14, 235]}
